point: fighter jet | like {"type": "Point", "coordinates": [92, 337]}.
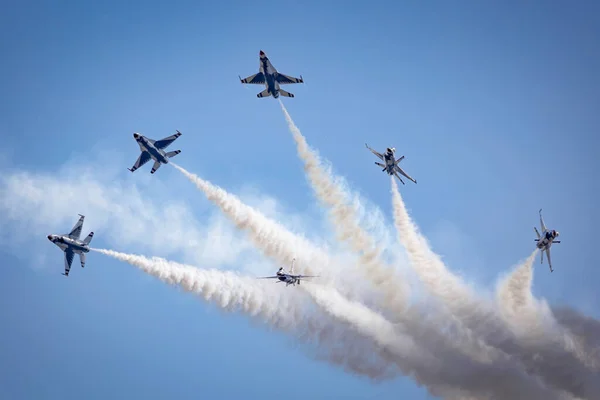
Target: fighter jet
{"type": "Point", "coordinates": [154, 149]}
{"type": "Point", "coordinates": [269, 77]}
{"type": "Point", "coordinates": [545, 240]}
{"type": "Point", "coordinates": [289, 279]}
{"type": "Point", "coordinates": [391, 164]}
{"type": "Point", "coordinates": [71, 245]}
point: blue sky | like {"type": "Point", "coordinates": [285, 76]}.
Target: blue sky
{"type": "Point", "coordinates": [494, 105]}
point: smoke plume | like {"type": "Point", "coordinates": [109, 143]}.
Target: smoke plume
{"type": "Point", "coordinates": [544, 351]}
{"type": "Point", "coordinates": [288, 313]}
{"type": "Point", "coordinates": [332, 194]}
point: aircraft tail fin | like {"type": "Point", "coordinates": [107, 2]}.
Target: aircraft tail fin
{"type": "Point", "coordinates": [285, 94]}
{"type": "Point", "coordinates": [542, 259]}
{"type": "Point", "coordinates": [292, 267]}
{"type": "Point", "coordinates": [82, 259]}
{"type": "Point", "coordinates": [89, 238]}
{"type": "Point", "coordinates": [398, 176]}
{"type": "Point", "coordinates": [264, 93]}
{"type": "Point", "coordinates": [172, 154]}
{"type": "Point", "coordinates": [155, 167]}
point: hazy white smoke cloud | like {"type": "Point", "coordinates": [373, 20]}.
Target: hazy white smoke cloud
{"type": "Point", "coordinates": [485, 351]}
{"type": "Point", "coordinates": [555, 360]}
{"type": "Point", "coordinates": [284, 310]}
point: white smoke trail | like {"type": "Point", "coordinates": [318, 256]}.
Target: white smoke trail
{"type": "Point", "coordinates": [271, 237]}
{"type": "Point", "coordinates": [515, 298]}
{"type": "Point", "coordinates": [428, 266]}
{"type": "Point", "coordinates": [345, 221]}
{"type": "Point", "coordinates": [232, 292]}
{"type": "Point", "coordinates": [481, 320]}
{"type": "Point", "coordinates": [465, 374]}
{"type": "Point", "coordinates": [457, 378]}
{"type": "Point", "coordinates": [531, 319]}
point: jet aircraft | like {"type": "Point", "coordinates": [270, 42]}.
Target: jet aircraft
{"type": "Point", "coordinates": [154, 149]}
{"type": "Point", "coordinates": [71, 245]}
{"type": "Point", "coordinates": [289, 279]}
{"type": "Point", "coordinates": [269, 77]}
{"type": "Point", "coordinates": [391, 163]}
{"type": "Point", "coordinates": [545, 240]}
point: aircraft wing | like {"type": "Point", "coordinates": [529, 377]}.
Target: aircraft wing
{"type": "Point", "coordinates": [142, 159]}
{"type": "Point", "coordinates": [375, 152]}
{"type": "Point", "coordinates": [76, 231]}
{"type": "Point", "coordinates": [69, 255]}
{"type": "Point", "coordinates": [542, 222]}
{"type": "Point", "coordinates": [268, 277]}
{"type": "Point", "coordinates": [286, 79]}
{"type": "Point", "coordinates": [398, 169]}
{"type": "Point", "coordinates": [549, 259]}
{"type": "Point", "coordinates": [256, 79]}
{"type": "Point", "coordinates": [164, 143]}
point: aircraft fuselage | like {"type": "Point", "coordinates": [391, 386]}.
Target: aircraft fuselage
{"type": "Point", "coordinates": [156, 154]}
{"type": "Point", "coordinates": [65, 242]}
{"type": "Point", "coordinates": [546, 240]}
{"type": "Point", "coordinates": [270, 74]}
{"type": "Point", "coordinates": [390, 162]}
{"type": "Point", "coordinates": [288, 279]}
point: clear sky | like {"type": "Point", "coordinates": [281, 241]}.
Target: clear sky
{"type": "Point", "coordinates": [494, 104]}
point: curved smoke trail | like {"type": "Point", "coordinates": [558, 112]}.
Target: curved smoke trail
{"type": "Point", "coordinates": [467, 374]}
{"type": "Point", "coordinates": [568, 369]}
{"type": "Point", "coordinates": [345, 221]}
{"type": "Point", "coordinates": [232, 293]}
{"type": "Point", "coordinates": [271, 237]}
{"type": "Point", "coordinates": [515, 298]}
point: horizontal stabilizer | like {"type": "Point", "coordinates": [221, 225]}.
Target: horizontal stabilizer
{"type": "Point", "coordinates": [155, 167]}
{"type": "Point", "coordinates": [82, 259]}
{"type": "Point", "coordinates": [285, 94]}
{"type": "Point", "coordinates": [536, 232]}
{"type": "Point", "coordinates": [172, 153]}
{"type": "Point", "coordinates": [88, 239]}
{"type": "Point", "coordinates": [556, 241]}
{"type": "Point", "coordinates": [264, 93]}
